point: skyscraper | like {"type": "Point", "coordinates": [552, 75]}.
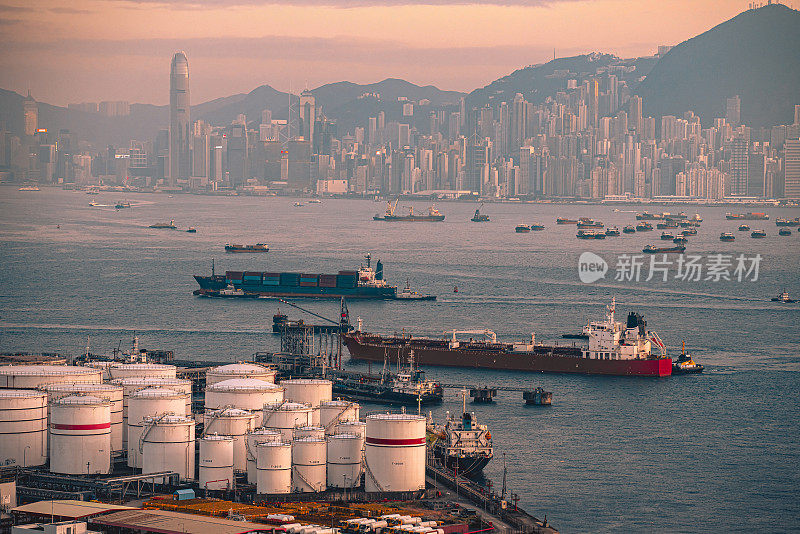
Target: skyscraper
{"type": "Point", "coordinates": [733, 107]}
{"type": "Point", "coordinates": [792, 168]}
{"type": "Point", "coordinates": [308, 116]}
{"type": "Point", "coordinates": [739, 165]}
{"type": "Point", "coordinates": [179, 133]}
{"type": "Point", "coordinates": [31, 111]}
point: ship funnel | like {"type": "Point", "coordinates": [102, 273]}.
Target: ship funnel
{"type": "Point", "coordinates": [378, 270]}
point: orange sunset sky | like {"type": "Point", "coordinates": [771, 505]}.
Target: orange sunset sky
{"type": "Point", "coordinates": [91, 50]}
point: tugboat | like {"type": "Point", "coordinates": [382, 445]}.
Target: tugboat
{"type": "Point", "coordinates": [783, 297]}
{"type": "Point", "coordinates": [612, 231]}
{"type": "Point", "coordinates": [758, 234]}
{"type": "Point", "coordinates": [537, 227]}
{"type": "Point", "coordinates": [652, 249]}
{"type": "Point", "coordinates": [522, 229]}
{"type": "Point", "coordinates": [461, 444]}
{"type": "Point", "coordinates": [784, 231]}
{"type": "Point", "coordinates": [407, 294]}
{"type": "Point", "coordinates": [630, 229]}
{"type": "Point", "coordinates": [666, 236]}
{"type": "Point", "coordinates": [258, 247]}
{"type": "Point", "coordinates": [479, 217]}
{"type": "Point", "coordinates": [744, 228]}
{"type": "Point", "coordinates": [590, 234]}
{"type": "Point", "coordinates": [644, 227]}
{"type": "Point", "coordinates": [564, 220]}
{"type": "Point", "coordinates": [685, 365]}
{"type": "Point", "coordinates": [726, 236]}
{"type": "Point", "coordinates": [165, 226]}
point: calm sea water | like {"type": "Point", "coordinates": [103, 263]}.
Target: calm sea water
{"type": "Point", "coordinates": [709, 453]}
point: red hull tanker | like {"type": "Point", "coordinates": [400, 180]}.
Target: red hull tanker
{"type": "Point", "coordinates": [614, 349]}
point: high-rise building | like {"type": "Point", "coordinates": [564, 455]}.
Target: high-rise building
{"type": "Point", "coordinates": [797, 114]}
{"type": "Point", "coordinates": [792, 169]}
{"type": "Point", "coordinates": [635, 120]}
{"type": "Point", "coordinates": [308, 116]}
{"type": "Point", "coordinates": [733, 108]}
{"type": "Point", "coordinates": [180, 166]}
{"type": "Point", "coordinates": [31, 111]}
{"type": "Point", "coordinates": [739, 166]}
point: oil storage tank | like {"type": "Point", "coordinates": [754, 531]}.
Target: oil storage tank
{"type": "Point", "coordinates": [274, 467]}
{"type": "Point", "coordinates": [309, 459]}
{"type": "Point", "coordinates": [240, 370]}
{"type": "Point", "coordinates": [34, 376]}
{"type": "Point", "coordinates": [236, 424]}
{"type": "Point", "coordinates": [112, 393]}
{"type": "Point", "coordinates": [333, 412]}
{"type": "Point", "coordinates": [259, 435]}
{"type": "Point", "coordinates": [351, 427]}
{"type": "Point", "coordinates": [153, 402]}
{"type": "Point", "coordinates": [130, 385]}
{"type": "Point", "coordinates": [394, 452]}
{"type": "Point", "coordinates": [216, 462]}
{"type": "Point", "coordinates": [309, 431]}
{"type": "Point", "coordinates": [80, 435]}
{"type": "Point", "coordinates": [286, 416]}
{"type": "Point", "coordinates": [168, 444]}
{"type": "Point", "coordinates": [142, 370]}
{"type": "Point", "coordinates": [312, 391]}
{"type": "Point", "coordinates": [344, 460]}
{"type": "Point", "coordinates": [23, 427]}
{"type": "Point", "coordinates": [244, 393]}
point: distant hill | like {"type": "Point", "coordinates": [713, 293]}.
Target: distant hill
{"type": "Point", "coordinates": [755, 55]}
{"type": "Point", "coordinates": [537, 82]}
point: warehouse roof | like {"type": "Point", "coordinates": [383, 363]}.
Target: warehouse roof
{"type": "Point", "coordinates": [68, 508]}
{"type": "Point", "coordinates": [167, 522]}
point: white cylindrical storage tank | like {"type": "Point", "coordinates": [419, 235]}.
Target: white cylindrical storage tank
{"type": "Point", "coordinates": [103, 366]}
{"type": "Point", "coordinates": [309, 390]}
{"type": "Point", "coordinates": [309, 459]}
{"type": "Point", "coordinates": [333, 412]}
{"type": "Point", "coordinates": [240, 370]}
{"type": "Point", "coordinates": [395, 452]}
{"type": "Point", "coordinates": [167, 444]}
{"type": "Point", "coordinates": [23, 427]}
{"type": "Point", "coordinates": [243, 393]}
{"type": "Point", "coordinates": [236, 424]}
{"type": "Point", "coordinates": [344, 460]}
{"type": "Point", "coordinates": [259, 435]}
{"type": "Point", "coordinates": [216, 462]}
{"type": "Point", "coordinates": [129, 385]}
{"type": "Point", "coordinates": [352, 427]}
{"type": "Point", "coordinates": [286, 416]}
{"type": "Point", "coordinates": [274, 467]}
{"type": "Point", "coordinates": [142, 370]}
{"type": "Point", "coordinates": [149, 402]}
{"type": "Point", "coordinates": [309, 431]}
{"type": "Point", "coordinates": [112, 393]}
{"type": "Point", "coordinates": [80, 435]}
{"type": "Point", "coordinates": [33, 376]}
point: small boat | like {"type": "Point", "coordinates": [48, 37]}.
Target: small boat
{"type": "Point", "coordinates": [689, 231]}
{"type": "Point", "coordinates": [29, 188]}
{"type": "Point", "coordinates": [537, 227]}
{"type": "Point", "coordinates": [191, 230]}
{"type": "Point", "coordinates": [586, 222]}
{"type": "Point", "coordinates": [315, 201]}
{"type": "Point", "coordinates": [758, 234]}
{"type": "Point", "coordinates": [696, 218]}
{"type": "Point", "coordinates": [680, 240]}
{"type": "Point", "coordinates": [685, 365]}
{"type": "Point", "coordinates": [564, 220]}
{"type": "Point", "coordinates": [644, 227]}
{"type": "Point", "coordinates": [726, 236]}
{"type": "Point", "coordinates": [784, 231]}
{"type": "Point", "coordinates": [652, 249]}
{"type": "Point", "coordinates": [630, 229]}
{"type": "Point", "coordinates": [590, 234]}
{"type": "Point", "coordinates": [522, 229]}
{"type": "Point", "coordinates": [787, 222]}
{"type": "Point", "coordinates": [479, 217]}
{"type": "Point", "coordinates": [666, 236]}
{"type": "Point", "coordinates": [645, 216]}
{"type": "Point", "coordinates": [744, 228]}
{"type": "Point", "coordinates": [783, 297]}
{"type": "Point", "coordinates": [92, 192]}
{"type": "Point", "coordinates": [689, 224]}
{"type": "Point", "coordinates": [94, 204]}
{"type": "Point", "coordinates": [122, 204]}
{"type": "Point", "coordinates": [258, 247]}
{"type": "Point", "coordinates": [165, 226]}
{"type": "Point", "coordinates": [407, 294]}
{"type": "Point", "coordinates": [298, 204]}
{"type": "Point", "coordinates": [613, 231]}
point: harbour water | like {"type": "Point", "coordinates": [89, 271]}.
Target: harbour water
{"type": "Point", "coordinates": [704, 453]}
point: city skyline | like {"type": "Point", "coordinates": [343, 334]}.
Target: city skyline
{"type": "Point", "coordinates": [454, 47]}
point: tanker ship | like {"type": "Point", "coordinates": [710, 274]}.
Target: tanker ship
{"type": "Point", "coordinates": [614, 348]}
{"type": "Point", "coordinates": [461, 444]}
{"type": "Point", "coordinates": [366, 283]}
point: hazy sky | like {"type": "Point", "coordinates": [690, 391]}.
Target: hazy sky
{"type": "Point", "coordinates": [120, 50]}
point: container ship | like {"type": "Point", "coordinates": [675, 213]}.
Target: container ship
{"type": "Point", "coordinates": [614, 348]}
{"type": "Point", "coordinates": [433, 215]}
{"type": "Point", "coordinates": [366, 283]}
{"type": "Point", "coordinates": [751, 216]}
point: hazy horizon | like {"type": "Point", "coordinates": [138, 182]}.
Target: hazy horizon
{"type": "Point", "coordinates": [117, 50]}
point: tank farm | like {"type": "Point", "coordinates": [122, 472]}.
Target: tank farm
{"type": "Point", "coordinates": [233, 440]}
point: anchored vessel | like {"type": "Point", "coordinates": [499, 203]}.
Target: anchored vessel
{"type": "Point", "coordinates": [614, 348]}
{"type": "Point", "coordinates": [258, 247]}
{"type": "Point", "coordinates": [461, 444]}
{"type": "Point", "coordinates": [165, 226]}
{"type": "Point", "coordinates": [751, 216]}
{"type": "Point", "coordinates": [366, 283]}
{"type": "Point", "coordinates": [480, 217]}
{"type": "Point", "coordinates": [433, 214]}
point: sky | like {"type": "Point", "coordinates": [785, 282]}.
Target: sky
{"type": "Point", "coordinates": [94, 50]}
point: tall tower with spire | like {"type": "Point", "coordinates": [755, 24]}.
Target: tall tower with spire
{"type": "Point", "coordinates": [30, 110]}
{"type": "Point", "coordinates": [179, 121]}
